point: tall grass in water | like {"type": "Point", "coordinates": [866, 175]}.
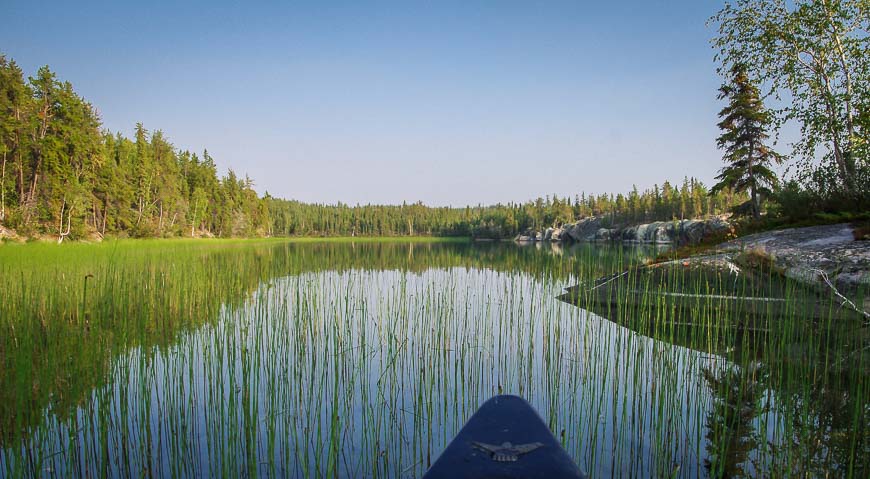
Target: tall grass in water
{"type": "Point", "coordinates": [363, 360]}
{"type": "Point", "coordinates": [783, 387]}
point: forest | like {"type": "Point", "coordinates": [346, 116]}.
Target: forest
{"type": "Point", "coordinates": [803, 67]}
{"type": "Point", "coordinates": [63, 176]}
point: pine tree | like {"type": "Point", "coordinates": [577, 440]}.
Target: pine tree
{"type": "Point", "coordinates": [14, 96]}
{"type": "Point", "coordinates": [743, 123]}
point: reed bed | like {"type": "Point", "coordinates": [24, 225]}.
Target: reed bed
{"type": "Point", "coordinates": [276, 359]}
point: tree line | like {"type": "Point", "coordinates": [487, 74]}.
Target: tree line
{"type": "Point", "coordinates": [62, 175]}
{"type": "Point", "coordinates": [689, 200]}
{"type": "Point", "coordinates": [804, 63]}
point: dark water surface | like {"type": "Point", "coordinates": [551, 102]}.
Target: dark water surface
{"type": "Point", "coordinates": [363, 359]}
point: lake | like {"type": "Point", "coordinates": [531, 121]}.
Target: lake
{"type": "Point", "coordinates": [363, 359]}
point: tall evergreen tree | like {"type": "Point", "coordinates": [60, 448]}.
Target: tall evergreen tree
{"type": "Point", "coordinates": [14, 98]}
{"type": "Point", "coordinates": [743, 123]}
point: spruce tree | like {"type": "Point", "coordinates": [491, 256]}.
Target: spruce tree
{"type": "Point", "coordinates": [743, 123]}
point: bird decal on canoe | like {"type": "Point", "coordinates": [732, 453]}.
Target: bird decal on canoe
{"type": "Point", "coordinates": [506, 452]}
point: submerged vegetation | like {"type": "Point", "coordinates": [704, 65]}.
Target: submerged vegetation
{"type": "Point", "coordinates": [364, 358]}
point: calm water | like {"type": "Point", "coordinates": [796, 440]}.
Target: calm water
{"type": "Point", "coordinates": [363, 360]}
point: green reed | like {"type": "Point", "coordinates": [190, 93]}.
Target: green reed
{"type": "Point", "coordinates": [345, 359]}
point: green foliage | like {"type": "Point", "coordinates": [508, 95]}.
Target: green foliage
{"type": "Point", "coordinates": [793, 202]}
{"type": "Point", "coordinates": [61, 176]}
{"type": "Point", "coordinates": [812, 57]}
{"type": "Point", "coordinates": [64, 177]}
{"type": "Point", "coordinates": [744, 122]}
{"type": "Point", "coordinates": [690, 200]}
{"type": "Point", "coordinates": [797, 202]}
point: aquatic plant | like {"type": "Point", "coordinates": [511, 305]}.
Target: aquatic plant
{"type": "Point", "coordinates": [363, 359]}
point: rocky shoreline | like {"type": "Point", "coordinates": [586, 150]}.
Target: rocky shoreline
{"type": "Point", "coordinates": [829, 258]}
{"type": "Point", "coordinates": [599, 229]}
{"type": "Point", "coordinates": [825, 256]}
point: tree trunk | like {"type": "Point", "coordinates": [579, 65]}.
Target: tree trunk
{"type": "Point", "coordinates": [43, 132]}
{"type": "Point", "coordinates": [850, 122]}
{"type": "Point", "coordinates": [20, 181]}
{"type": "Point", "coordinates": [32, 194]}
{"type": "Point", "coordinates": [193, 223]}
{"type": "Point", "coordinates": [838, 150]}
{"type": "Point", "coordinates": [139, 216]}
{"type": "Point", "coordinates": [61, 233]}
{"type": "Point", "coordinates": [3, 189]}
{"type": "Point", "coordinates": [753, 190]}
{"type": "Point", "coordinates": [105, 216]}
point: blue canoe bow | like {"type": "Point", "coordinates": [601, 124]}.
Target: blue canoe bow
{"type": "Point", "coordinates": [506, 439]}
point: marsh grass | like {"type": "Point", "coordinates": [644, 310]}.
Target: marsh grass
{"type": "Point", "coordinates": [363, 359]}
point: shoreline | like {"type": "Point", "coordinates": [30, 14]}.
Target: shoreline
{"type": "Point", "coordinates": [267, 239]}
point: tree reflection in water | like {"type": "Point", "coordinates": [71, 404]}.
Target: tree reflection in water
{"type": "Point", "coordinates": [731, 434]}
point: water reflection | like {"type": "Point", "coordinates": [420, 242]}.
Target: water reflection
{"type": "Point", "coordinates": [788, 383]}
{"type": "Point", "coordinates": [738, 401]}
{"type": "Point", "coordinates": [363, 359]}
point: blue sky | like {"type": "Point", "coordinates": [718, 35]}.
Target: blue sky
{"type": "Point", "coordinates": [445, 102]}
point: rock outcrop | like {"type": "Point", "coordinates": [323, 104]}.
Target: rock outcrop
{"type": "Point", "coordinates": [583, 230]}
{"type": "Point", "coordinates": [812, 254]}
{"type": "Point", "coordinates": [680, 232]}
{"type": "Point", "coordinates": [660, 232]}
{"type": "Point", "coordinates": [827, 257]}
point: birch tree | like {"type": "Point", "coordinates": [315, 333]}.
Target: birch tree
{"type": "Point", "coordinates": [812, 59]}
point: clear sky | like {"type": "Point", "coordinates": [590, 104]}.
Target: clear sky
{"type": "Point", "coordinates": [446, 102]}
